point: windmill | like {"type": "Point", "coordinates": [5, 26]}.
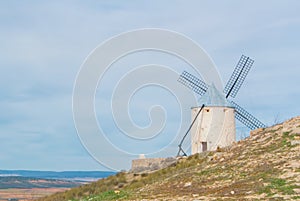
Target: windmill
{"type": "Point", "coordinates": [207, 131]}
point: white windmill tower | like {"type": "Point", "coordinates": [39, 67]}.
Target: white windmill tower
{"type": "Point", "coordinates": [213, 123]}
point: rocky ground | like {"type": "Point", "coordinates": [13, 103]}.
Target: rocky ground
{"type": "Point", "coordinates": [265, 166]}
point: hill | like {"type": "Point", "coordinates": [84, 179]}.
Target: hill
{"type": "Point", "coordinates": [27, 183]}
{"type": "Point", "coordinates": [262, 167]}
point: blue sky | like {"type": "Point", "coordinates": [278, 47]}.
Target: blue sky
{"type": "Point", "coordinates": [44, 43]}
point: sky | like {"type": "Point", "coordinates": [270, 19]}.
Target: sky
{"type": "Point", "coordinates": [44, 44]}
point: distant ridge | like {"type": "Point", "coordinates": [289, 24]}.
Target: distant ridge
{"type": "Point", "coordinates": [17, 182]}
{"type": "Point", "coordinates": [56, 174]}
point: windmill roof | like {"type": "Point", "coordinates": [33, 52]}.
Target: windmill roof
{"type": "Point", "coordinates": [213, 97]}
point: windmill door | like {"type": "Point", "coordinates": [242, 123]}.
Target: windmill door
{"type": "Point", "coordinates": [204, 146]}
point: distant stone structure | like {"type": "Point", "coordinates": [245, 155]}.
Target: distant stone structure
{"type": "Point", "coordinates": [142, 156]}
{"type": "Point", "coordinates": [151, 164]}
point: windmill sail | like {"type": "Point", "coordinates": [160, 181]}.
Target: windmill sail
{"type": "Point", "coordinates": [193, 83]}
{"type": "Point", "coordinates": [246, 118]}
{"type": "Point", "coordinates": [238, 76]}
{"type": "Point", "coordinates": [234, 84]}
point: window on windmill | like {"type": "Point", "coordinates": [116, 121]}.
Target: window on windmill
{"type": "Point", "coordinates": [207, 110]}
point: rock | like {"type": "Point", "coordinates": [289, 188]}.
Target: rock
{"type": "Point", "coordinates": [256, 131]}
{"type": "Point", "coordinates": [297, 190]}
{"type": "Point", "coordinates": [195, 195]}
{"type": "Point", "coordinates": [232, 192]}
{"type": "Point", "coordinates": [297, 131]}
{"type": "Point", "coordinates": [295, 142]}
{"type": "Point", "coordinates": [187, 184]}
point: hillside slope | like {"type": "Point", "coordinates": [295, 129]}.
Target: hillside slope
{"type": "Point", "coordinates": [263, 166]}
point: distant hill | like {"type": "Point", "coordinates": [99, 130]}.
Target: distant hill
{"type": "Point", "coordinates": [28, 183]}
{"type": "Point", "coordinates": [71, 175]}
{"type": "Point", "coordinates": [265, 166]}
{"type": "Point", "coordinates": [48, 179]}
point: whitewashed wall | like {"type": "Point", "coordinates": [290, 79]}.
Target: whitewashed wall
{"type": "Point", "coordinates": [214, 125]}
